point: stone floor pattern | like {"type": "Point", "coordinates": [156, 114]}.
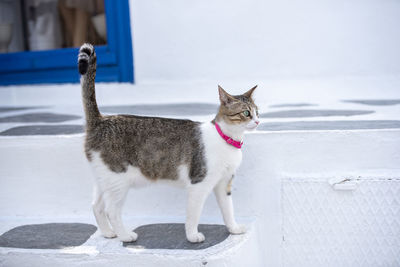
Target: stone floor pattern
{"type": "Point", "coordinates": [29, 121]}
{"type": "Point", "coordinates": [67, 235]}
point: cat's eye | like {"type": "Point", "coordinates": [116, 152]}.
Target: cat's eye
{"type": "Point", "coordinates": [246, 113]}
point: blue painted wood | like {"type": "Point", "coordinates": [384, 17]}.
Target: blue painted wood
{"type": "Point", "coordinates": [115, 60]}
{"type": "Point", "coordinates": [125, 51]}
{"type": "Point", "coordinates": [46, 59]}
{"type": "Point", "coordinates": [110, 9]}
{"type": "Point", "coordinates": [108, 74]}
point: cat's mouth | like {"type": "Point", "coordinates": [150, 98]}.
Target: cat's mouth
{"type": "Point", "coordinates": [252, 127]}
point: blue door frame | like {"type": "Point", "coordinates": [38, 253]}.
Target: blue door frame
{"type": "Point", "coordinates": [114, 60]}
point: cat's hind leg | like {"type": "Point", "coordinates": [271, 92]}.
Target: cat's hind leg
{"type": "Point", "coordinates": [223, 193]}
{"type": "Point", "coordinates": [114, 197]}
{"type": "Point", "coordinates": [99, 213]}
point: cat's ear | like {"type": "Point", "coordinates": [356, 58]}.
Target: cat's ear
{"type": "Point", "coordinates": [224, 97]}
{"type": "Point", "coordinates": [250, 92]}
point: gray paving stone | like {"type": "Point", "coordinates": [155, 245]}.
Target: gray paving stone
{"type": "Point", "coordinates": [292, 105]}
{"type": "Point", "coordinates": [172, 236]}
{"type": "Point", "coordinates": [375, 102]}
{"type": "Point", "coordinates": [306, 113]}
{"type": "Point", "coordinates": [39, 117]}
{"type": "Point", "coordinates": [184, 109]}
{"type": "Point", "coordinates": [329, 125]}
{"type": "Point", "coordinates": [9, 109]}
{"type": "Point", "coordinates": [47, 236]}
{"type": "Point", "coordinates": [43, 130]}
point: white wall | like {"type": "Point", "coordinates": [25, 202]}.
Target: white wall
{"type": "Point", "coordinates": [221, 40]}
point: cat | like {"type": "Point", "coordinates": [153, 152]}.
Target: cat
{"type": "Point", "coordinates": [130, 151]}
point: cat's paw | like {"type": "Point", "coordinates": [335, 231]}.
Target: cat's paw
{"type": "Point", "coordinates": [196, 237]}
{"type": "Point", "coordinates": [108, 234]}
{"type": "Point", "coordinates": [237, 229]}
{"type": "Point", "coordinates": [131, 237]}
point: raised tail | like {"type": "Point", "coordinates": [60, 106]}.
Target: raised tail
{"type": "Point", "coordinates": [87, 69]}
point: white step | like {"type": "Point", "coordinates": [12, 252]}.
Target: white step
{"type": "Point", "coordinates": [47, 176]}
{"type": "Point", "coordinates": [237, 250]}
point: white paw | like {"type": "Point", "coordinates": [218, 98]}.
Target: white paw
{"type": "Point", "coordinates": [237, 229]}
{"type": "Point", "coordinates": [195, 238]}
{"type": "Point", "coordinates": [131, 237]}
{"type": "Point", "coordinates": [109, 234]}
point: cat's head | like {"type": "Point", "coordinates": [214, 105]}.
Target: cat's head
{"type": "Point", "coordinates": [239, 110]}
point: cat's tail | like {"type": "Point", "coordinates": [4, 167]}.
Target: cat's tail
{"type": "Point", "coordinates": [87, 69]}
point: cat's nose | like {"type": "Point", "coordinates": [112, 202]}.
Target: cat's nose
{"type": "Point", "coordinates": [257, 122]}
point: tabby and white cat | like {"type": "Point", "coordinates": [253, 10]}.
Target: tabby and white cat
{"type": "Point", "coordinates": [130, 151]}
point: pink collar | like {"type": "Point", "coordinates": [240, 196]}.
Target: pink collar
{"type": "Point", "coordinates": [229, 140]}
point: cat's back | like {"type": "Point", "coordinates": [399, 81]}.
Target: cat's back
{"type": "Point", "coordinates": [157, 146]}
{"type": "Point", "coordinates": [130, 128]}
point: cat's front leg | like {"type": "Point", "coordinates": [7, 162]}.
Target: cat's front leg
{"type": "Point", "coordinates": [224, 197]}
{"type": "Point", "coordinates": [197, 194]}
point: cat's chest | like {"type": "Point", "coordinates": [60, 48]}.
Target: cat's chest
{"type": "Point", "coordinates": [229, 159]}
{"type": "Point", "coordinates": [220, 154]}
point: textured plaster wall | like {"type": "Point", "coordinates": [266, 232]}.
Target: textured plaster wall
{"type": "Point", "coordinates": [254, 40]}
